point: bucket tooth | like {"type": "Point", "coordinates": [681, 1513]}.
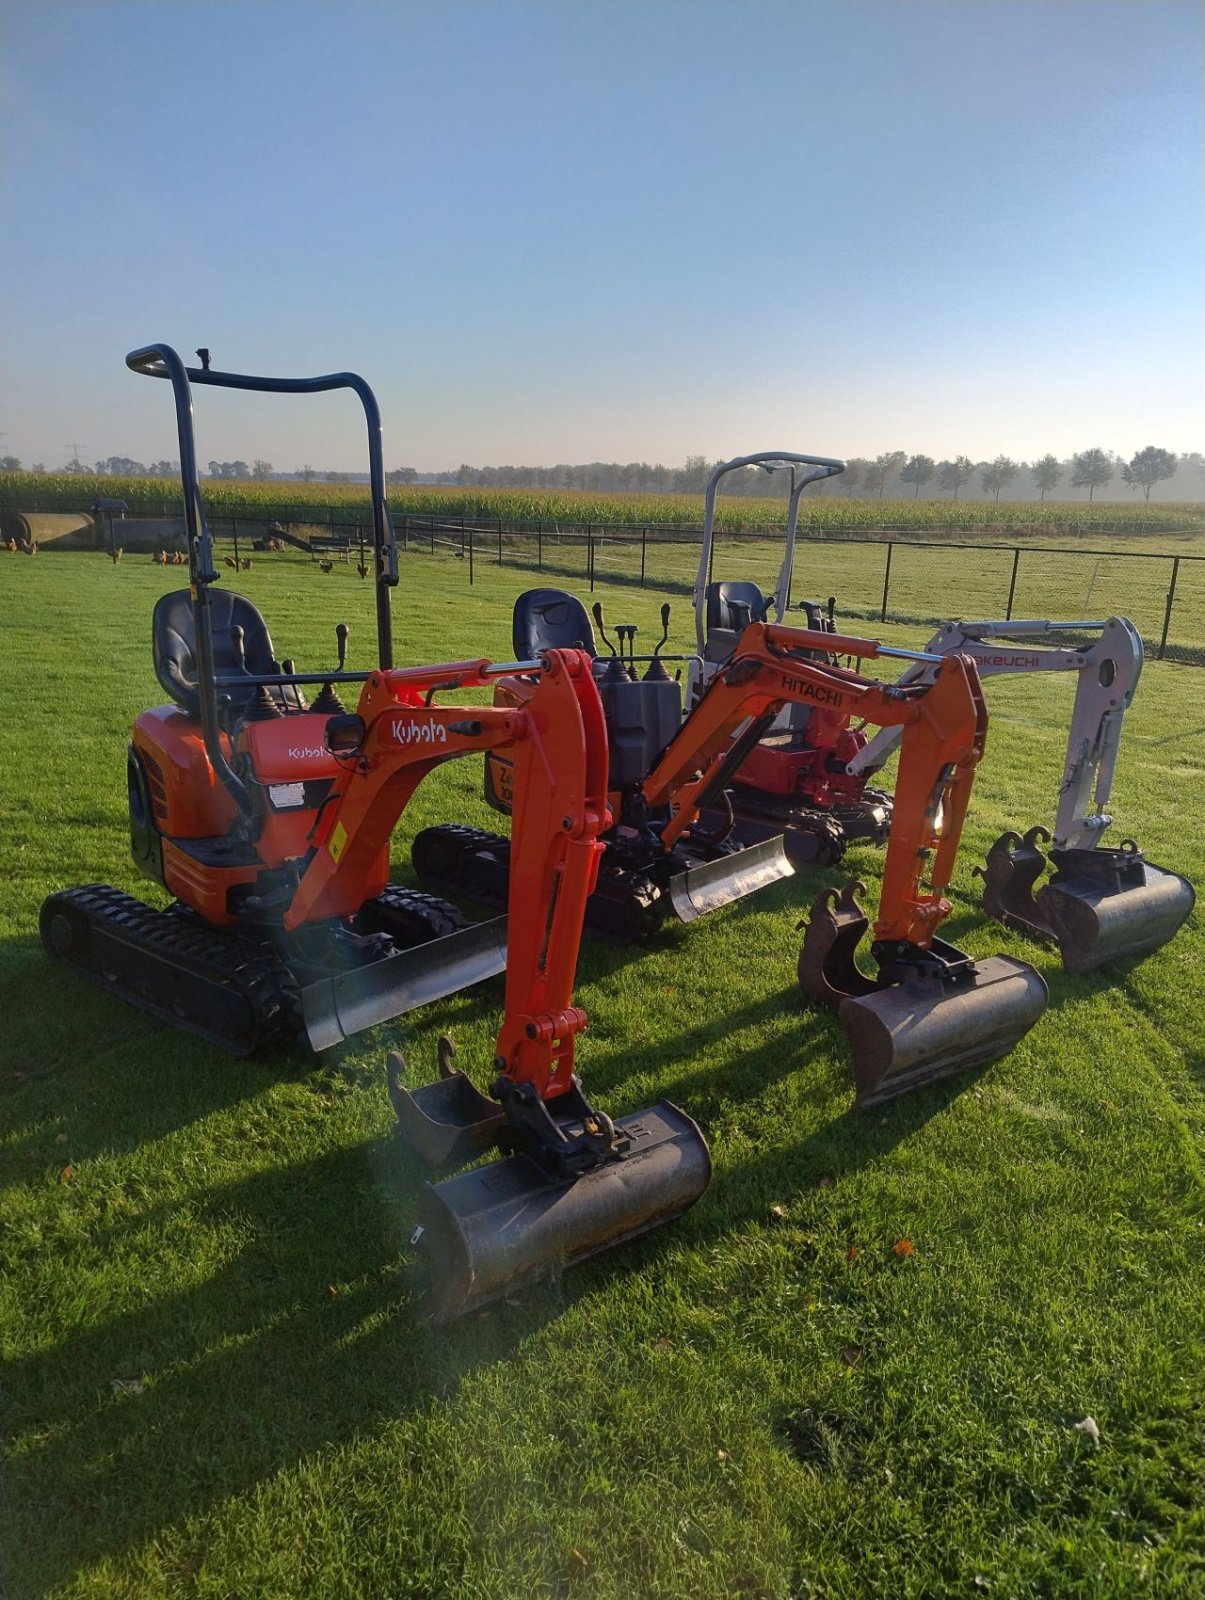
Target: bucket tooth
{"type": "Point", "coordinates": [1102, 905]}
{"type": "Point", "coordinates": [936, 1023]}
{"type": "Point", "coordinates": [1014, 865]}
{"type": "Point", "coordinates": [828, 971]}
{"type": "Point", "coordinates": [445, 1122]}
{"type": "Point", "coordinates": [486, 1231]}
{"type": "Point", "coordinates": [713, 884]}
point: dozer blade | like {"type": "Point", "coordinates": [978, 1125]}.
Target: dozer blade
{"type": "Point", "coordinates": [489, 1230]}
{"type": "Point", "coordinates": [347, 1002]}
{"type": "Point", "coordinates": [447, 1121]}
{"type": "Point", "coordinates": [1095, 924]}
{"type": "Point", "coordinates": [713, 884]}
{"type": "Point", "coordinates": [926, 1027]}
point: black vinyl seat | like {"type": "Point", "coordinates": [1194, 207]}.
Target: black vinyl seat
{"type": "Point", "coordinates": [550, 619]}
{"type": "Point", "coordinates": [174, 650]}
{"type": "Point", "coordinates": [734, 605]}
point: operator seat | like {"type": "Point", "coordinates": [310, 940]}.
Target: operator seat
{"type": "Point", "coordinates": [173, 646]}
{"type": "Point", "coordinates": [550, 619]}
{"type": "Point", "coordinates": [734, 605]}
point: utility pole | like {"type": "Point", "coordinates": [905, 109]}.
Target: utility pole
{"type": "Point", "coordinates": [75, 460]}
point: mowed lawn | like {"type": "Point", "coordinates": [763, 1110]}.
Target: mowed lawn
{"type": "Point", "coordinates": [218, 1381]}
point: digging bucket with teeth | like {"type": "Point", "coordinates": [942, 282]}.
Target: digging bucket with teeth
{"type": "Point", "coordinates": [572, 1184]}
{"type": "Point", "coordinates": [930, 1013]}
{"type": "Point", "coordinates": [1098, 906]}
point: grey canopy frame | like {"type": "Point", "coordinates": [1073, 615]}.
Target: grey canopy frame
{"type": "Point", "coordinates": [768, 461]}
{"type": "Point", "coordinates": [161, 361]}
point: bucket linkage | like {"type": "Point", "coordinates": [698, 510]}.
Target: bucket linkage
{"type": "Point", "coordinates": [930, 1013]}
{"type": "Point", "coordinates": [1099, 905]}
{"type": "Point", "coordinates": [571, 1183]}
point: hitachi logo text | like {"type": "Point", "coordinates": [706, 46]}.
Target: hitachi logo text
{"type": "Point", "coordinates": [822, 693]}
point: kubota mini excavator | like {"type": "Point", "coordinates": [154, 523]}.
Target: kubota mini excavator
{"type": "Point", "coordinates": [271, 822]}
{"type": "Point", "coordinates": [930, 1010]}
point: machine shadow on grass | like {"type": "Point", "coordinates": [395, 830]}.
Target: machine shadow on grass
{"type": "Point", "coordinates": [244, 1375]}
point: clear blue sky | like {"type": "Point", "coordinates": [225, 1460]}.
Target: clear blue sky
{"type": "Point", "coordinates": [598, 229]}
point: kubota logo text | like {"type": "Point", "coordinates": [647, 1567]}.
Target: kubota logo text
{"type": "Point", "coordinates": [306, 752]}
{"type": "Point", "coordinates": [415, 732]}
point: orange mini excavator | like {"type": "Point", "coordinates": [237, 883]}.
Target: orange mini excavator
{"type": "Point", "coordinates": [930, 1010]}
{"type": "Point", "coordinates": [270, 820]}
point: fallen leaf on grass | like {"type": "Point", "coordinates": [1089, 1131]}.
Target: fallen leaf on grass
{"type": "Point", "coordinates": [60, 1138]}
{"type": "Point", "coordinates": [722, 1455]}
{"type": "Point", "coordinates": [578, 1561]}
{"type": "Point", "coordinates": [851, 1355]}
{"type": "Point", "coordinates": [852, 1253]}
{"type": "Point", "coordinates": [332, 1292]}
{"type": "Point", "coordinates": [779, 1213]}
{"type": "Point", "coordinates": [826, 1182]}
{"type": "Point", "coordinates": [127, 1385]}
{"type": "Point", "coordinates": [1088, 1426]}
{"type": "Point", "coordinates": [67, 1173]}
{"type": "Point", "coordinates": [662, 1343]}
{"type": "Point", "coordinates": [904, 1247]}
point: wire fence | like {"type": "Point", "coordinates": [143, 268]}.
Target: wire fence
{"type": "Point", "coordinates": [884, 579]}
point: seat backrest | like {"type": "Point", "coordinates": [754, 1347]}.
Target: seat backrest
{"type": "Point", "coordinates": [550, 619]}
{"type": "Point", "coordinates": [173, 646]}
{"type": "Point", "coordinates": [734, 605]}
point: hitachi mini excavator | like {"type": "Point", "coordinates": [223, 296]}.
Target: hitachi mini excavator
{"type": "Point", "coordinates": [270, 820]}
{"type": "Point", "coordinates": [930, 1010]}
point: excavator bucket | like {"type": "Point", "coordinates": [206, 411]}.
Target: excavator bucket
{"type": "Point", "coordinates": [488, 1231]}
{"type": "Point", "coordinates": [1098, 906]}
{"type": "Point", "coordinates": [446, 1122]}
{"type": "Point", "coordinates": [718, 883]}
{"type": "Point", "coordinates": [922, 1020]}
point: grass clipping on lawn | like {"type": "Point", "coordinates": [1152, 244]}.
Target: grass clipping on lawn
{"type": "Point", "coordinates": [865, 1364]}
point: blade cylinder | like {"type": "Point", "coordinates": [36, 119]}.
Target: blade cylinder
{"type": "Point", "coordinates": [488, 1230]}
{"type": "Point", "coordinates": [921, 1030]}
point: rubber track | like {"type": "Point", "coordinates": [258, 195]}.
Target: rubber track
{"type": "Point", "coordinates": [178, 939]}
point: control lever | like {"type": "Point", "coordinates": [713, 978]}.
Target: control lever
{"type": "Point", "coordinates": [656, 667]}
{"type": "Point", "coordinates": [597, 613]}
{"type": "Point", "coordinates": [616, 671]}
{"type": "Point", "coordinates": [341, 632]}
{"type": "Point", "coordinates": [238, 640]}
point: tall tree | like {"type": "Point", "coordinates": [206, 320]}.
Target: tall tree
{"type": "Point", "coordinates": [882, 468]}
{"type": "Point", "coordinates": [1046, 473]}
{"type": "Point", "coordinates": [1147, 468]}
{"type": "Point", "coordinates": [1090, 470]}
{"type": "Point", "coordinates": [402, 475]}
{"type": "Point", "coordinates": [918, 470]}
{"type": "Point", "coordinates": [10, 463]}
{"type": "Point", "coordinates": [953, 474]}
{"type": "Point", "coordinates": [852, 476]}
{"type": "Point", "coordinates": [261, 471]}
{"type": "Point", "coordinates": [998, 474]}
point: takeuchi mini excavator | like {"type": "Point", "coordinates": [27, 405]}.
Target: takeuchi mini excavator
{"type": "Point", "coordinates": [930, 1010]}
{"type": "Point", "coordinates": [270, 820]}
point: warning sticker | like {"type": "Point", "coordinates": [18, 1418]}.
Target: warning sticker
{"type": "Point", "coordinates": [338, 841]}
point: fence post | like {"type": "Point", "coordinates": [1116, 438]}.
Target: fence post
{"type": "Point", "coordinates": [499, 541]}
{"type": "Point", "coordinates": [644, 539]}
{"type": "Point", "coordinates": [539, 546]}
{"type": "Point", "coordinates": [590, 555]}
{"type": "Point", "coordinates": [886, 580]}
{"type": "Point", "coordinates": [1171, 600]}
{"type": "Point", "coordinates": [1012, 585]}
{"type": "Point", "coordinates": [234, 532]}
{"type": "Point", "coordinates": [470, 558]}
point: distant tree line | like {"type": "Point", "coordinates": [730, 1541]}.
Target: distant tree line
{"type": "Point", "coordinates": [894, 470]}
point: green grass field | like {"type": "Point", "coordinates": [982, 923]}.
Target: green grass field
{"type": "Point", "coordinates": [217, 1380]}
